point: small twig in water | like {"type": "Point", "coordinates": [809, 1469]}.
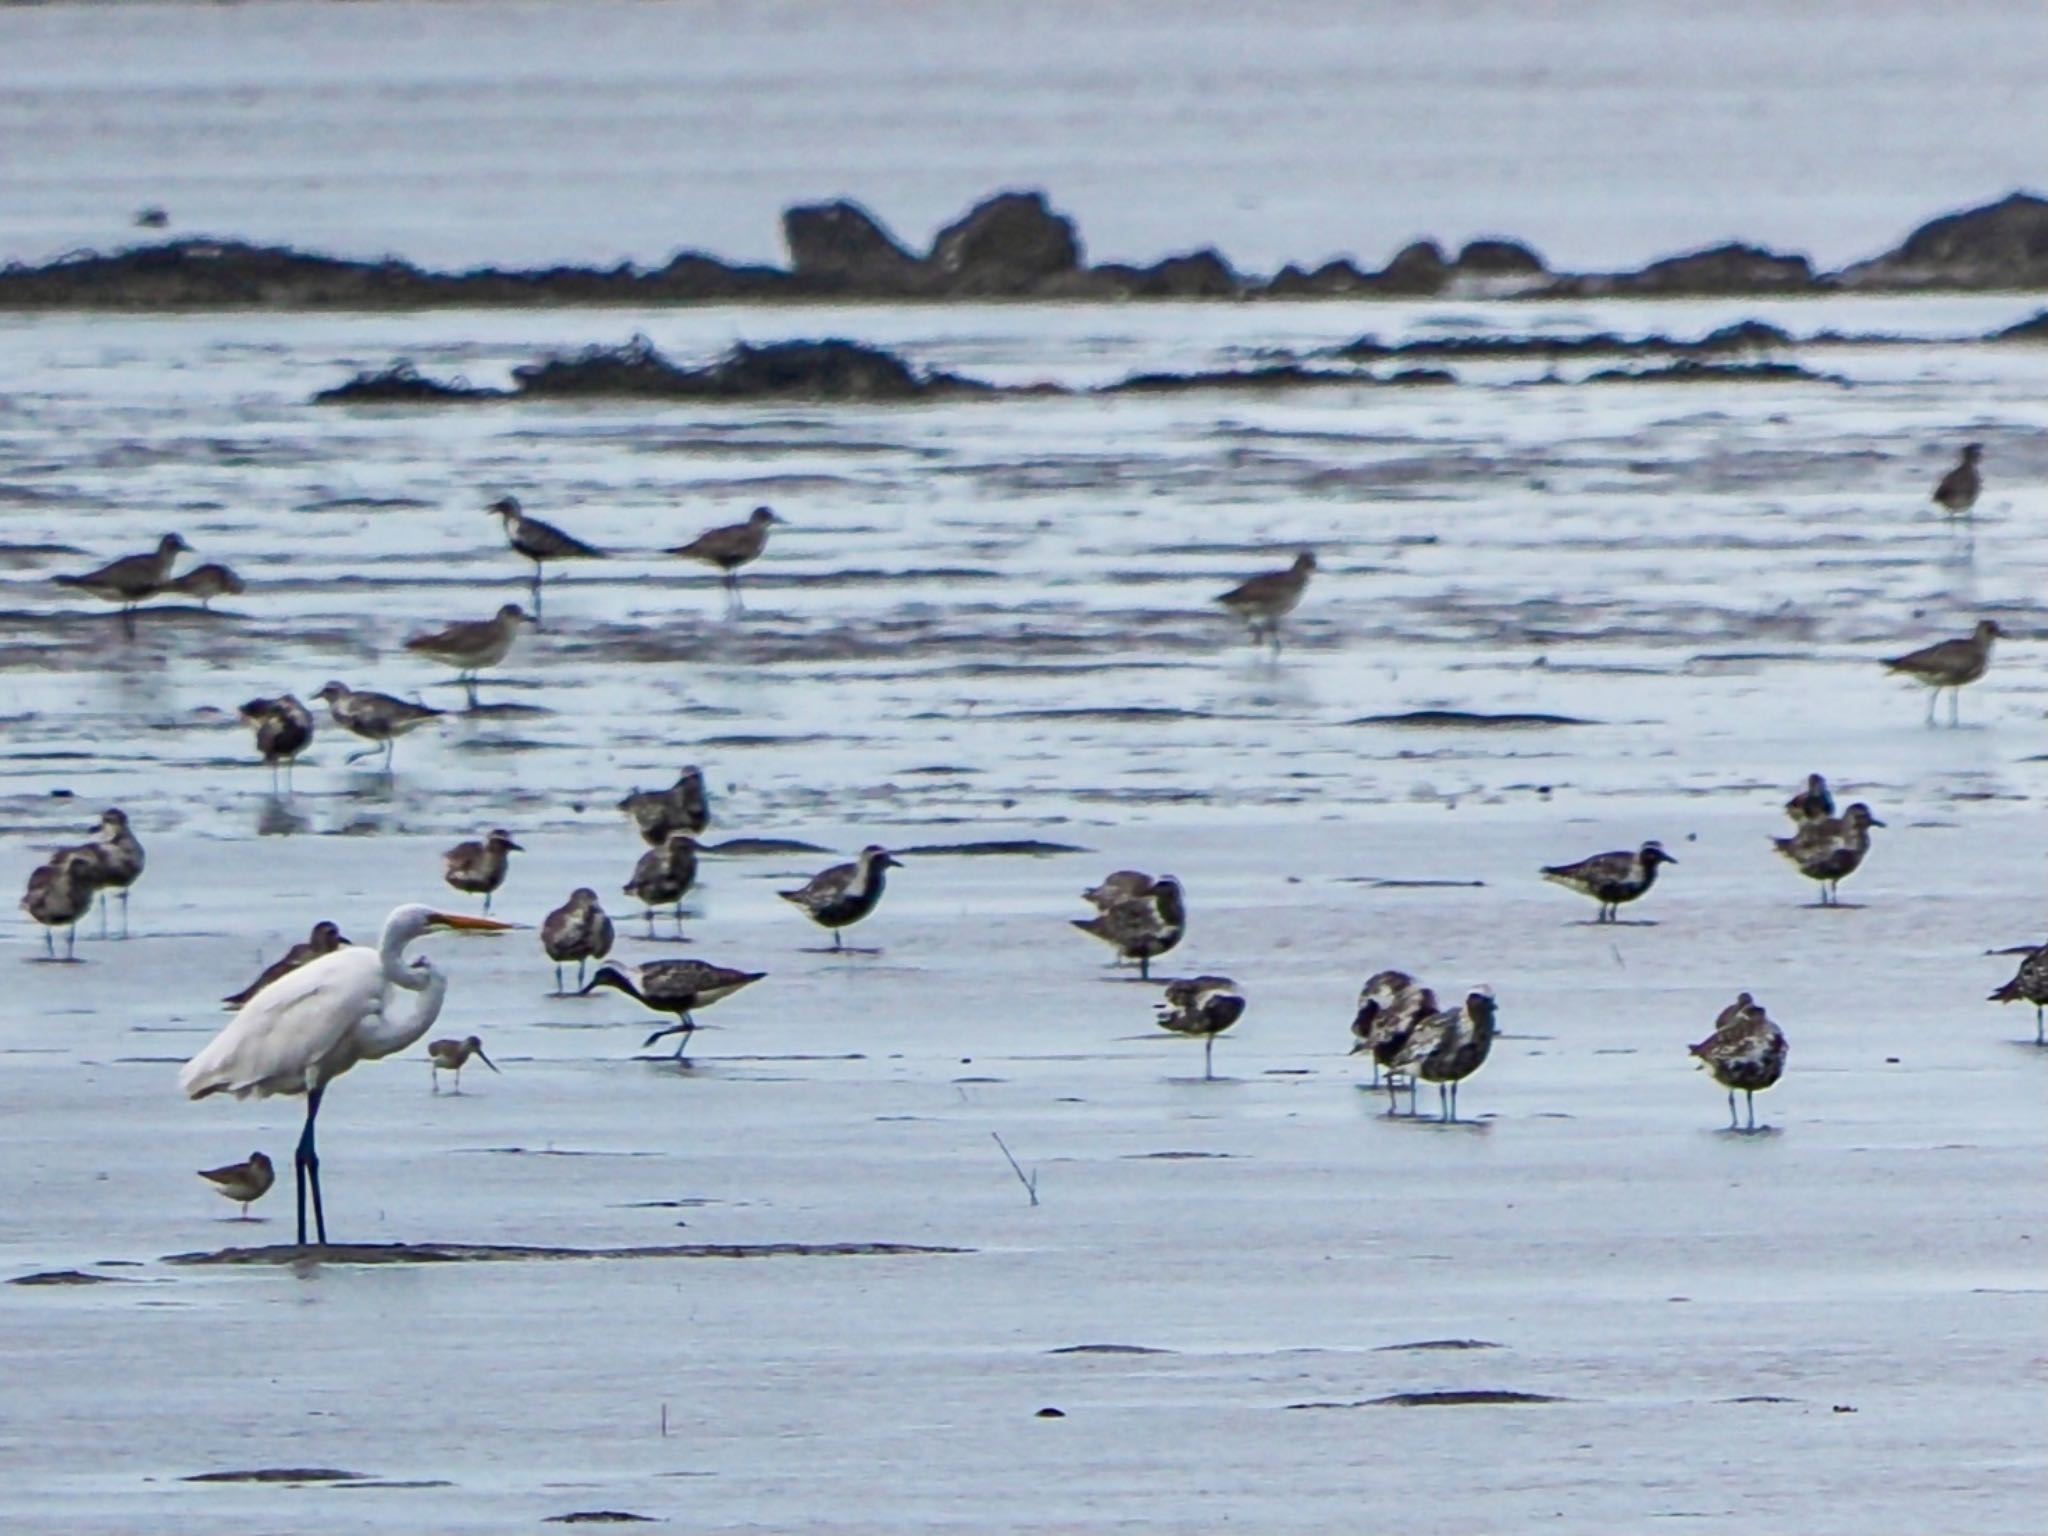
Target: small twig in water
{"type": "Point", "coordinates": [1029, 1181]}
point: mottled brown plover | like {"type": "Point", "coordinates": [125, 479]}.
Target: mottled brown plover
{"type": "Point", "coordinates": [472, 645]}
{"type": "Point", "coordinates": [131, 579]}
{"type": "Point", "coordinates": [539, 542]}
{"type": "Point", "coordinates": [1812, 803]}
{"type": "Point", "coordinates": [1959, 489]}
{"type": "Point", "coordinates": [325, 939]}
{"type": "Point", "coordinates": [206, 582]}
{"type": "Point", "coordinates": [1390, 1004]}
{"type": "Point", "coordinates": [844, 894]}
{"type": "Point", "coordinates": [118, 861]}
{"type": "Point", "coordinates": [59, 893]}
{"type": "Point", "coordinates": [1745, 1051]}
{"type": "Point", "coordinates": [2029, 985]}
{"type": "Point", "coordinates": [1266, 599]}
{"type": "Point", "coordinates": [683, 807]}
{"type": "Point", "coordinates": [1447, 1047]}
{"type": "Point", "coordinates": [579, 930]}
{"type": "Point", "coordinates": [1831, 849]}
{"type": "Point", "coordinates": [1204, 1006]}
{"type": "Point", "coordinates": [376, 717]}
{"type": "Point", "coordinates": [678, 987]}
{"type": "Point", "coordinates": [1950, 664]}
{"type": "Point", "coordinates": [284, 729]}
{"type": "Point", "coordinates": [663, 877]}
{"type": "Point", "coordinates": [242, 1182]}
{"type": "Point", "coordinates": [450, 1054]}
{"type": "Point", "coordinates": [1612, 878]}
{"type": "Point", "coordinates": [1142, 928]}
{"type": "Point", "coordinates": [731, 547]}
{"type": "Point", "coordinates": [479, 867]}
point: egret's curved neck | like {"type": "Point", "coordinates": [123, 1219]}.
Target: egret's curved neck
{"type": "Point", "coordinates": [391, 952]}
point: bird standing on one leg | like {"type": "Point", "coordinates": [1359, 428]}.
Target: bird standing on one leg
{"type": "Point", "coordinates": [1266, 599]}
{"type": "Point", "coordinates": [731, 547]}
{"type": "Point", "coordinates": [578, 930]}
{"type": "Point", "coordinates": [539, 542]}
{"type": "Point", "coordinates": [2029, 985]}
{"type": "Point", "coordinates": [1746, 1051]}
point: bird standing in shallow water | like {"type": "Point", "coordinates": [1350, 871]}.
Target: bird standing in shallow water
{"type": "Point", "coordinates": [59, 893]}
{"type": "Point", "coordinates": [845, 893]}
{"type": "Point", "coordinates": [663, 877]}
{"type": "Point", "coordinates": [539, 542]}
{"type": "Point", "coordinates": [1141, 927]}
{"type": "Point", "coordinates": [1950, 664]}
{"type": "Point", "coordinates": [579, 930]}
{"type": "Point", "coordinates": [731, 547]}
{"type": "Point", "coordinates": [1204, 1006]}
{"type": "Point", "coordinates": [242, 1182]}
{"type": "Point", "coordinates": [683, 807]}
{"type": "Point", "coordinates": [1611, 878]}
{"type": "Point", "coordinates": [1390, 1005]}
{"type": "Point", "coordinates": [479, 868]}
{"type": "Point", "coordinates": [677, 987]}
{"type": "Point", "coordinates": [133, 578]}
{"type": "Point", "coordinates": [307, 1028]}
{"type": "Point", "coordinates": [2028, 985]}
{"type": "Point", "coordinates": [118, 861]}
{"type": "Point", "coordinates": [472, 645]}
{"type": "Point", "coordinates": [1831, 849]}
{"type": "Point", "coordinates": [1745, 1051]}
{"type": "Point", "coordinates": [325, 939]}
{"type": "Point", "coordinates": [1266, 599]}
{"type": "Point", "coordinates": [376, 717]}
{"type": "Point", "coordinates": [284, 729]}
{"type": "Point", "coordinates": [206, 582]}
{"type": "Point", "coordinates": [1959, 489]}
{"type": "Point", "coordinates": [450, 1054]}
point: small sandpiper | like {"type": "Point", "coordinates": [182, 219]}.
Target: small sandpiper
{"type": "Point", "coordinates": [1204, 1006]}
{"type": "Point", "coordinates": [284, 729]}
{"type": "Point", "coordinates": [2029, 985]}
{"type": "Point", "coordinates": [845, 893]}
{"type": "Point", "coordinates": [730, 547]}
{"type": "Point", "coordinates": [539, 542]}
{"type": "Point", "coordinates": [1612, 878]}
{"type": "Point", "coordinates": [472, 645]}
{"type": "Point", "coordinates": [578, 930]}
{"type": "Point", "coordinates": [1143, 927]}
{"type": "Point", "coordinates": [678, 987]}
{"type": "Point", "coordinates": [1812, 803]}
{"type": "Point", "coordinates": [206, 582]}
{"type": "Point", "coordinates": [449, 1055]}
{"type": "Point", "coordinates": [325, 939]}
{"type": "Point", "coordinates": [1950, 664]}
{"type": "Point", "coordinates": [1447, 1047]}
{"type": "Point", "coordinates": [376, 717]}
{"type": "Point", "coordinates": [663, 877]}
{"type": "Point", "coordinates": [118, 860]}
{"type": "Point", "coordinates": [1831, 849]}
{"type": "Point", "coordinates": [479, 868]}
{"type": "Point", "coordinates": [59, 893]}
{"type": "Point", "coordinates": [242, 1182]}
{"type": "Point", "coordinates": [1745, 1051]}
{"type": "Point", "coordinates": [1959, 489]}
{"type": "Point", "coordinates": [683, 807]}
{"type": "Point", "coordinates": [131, 579]}
{"type": "Point", "coordinates": [1266, 599]}
{"type": "Point", "coordinates": [1390, 1005]}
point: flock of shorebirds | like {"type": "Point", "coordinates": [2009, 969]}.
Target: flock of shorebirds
{"type": "Point", "coordinates": [328, 1004]}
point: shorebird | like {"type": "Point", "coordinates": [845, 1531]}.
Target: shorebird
{"type": "Point", "coordinates": [845, 893]}
{"type": "Point", "coordinates": [479, 868]}
{"type": "Point", "coordinates": [206, 582]}
{"type": "Point", "coordinates": [1950, 664]}
{"type": "Point", "coordinates": [1447, 1047]}
{"type": "Point", "coordinates": [539, 542]}
{"type": "Point", "coordinates": [376, 717]}
{"type": "Point", "coordinates": [307, 1028]}
{"type": "Point", "coordinates": [578, 930]}
{"type": "Point", "coordinates": [242, 1182]}
{"type": "Point", "coordinates": [663, 877]}
{"type": "Point", "coordinates": [1116, 887]}
{"type": "Point", "coordinates": [1611, 878]}
{"type": "Point", "coordinates": [679, 987]}
{"type": "Point", "coordinates": [1390, 1004]}
{"type": "Point", "coordinates": [730, 547]}
{"type": "Point", "coordinates": [1812, 803]}
{"type": "Point", "coordinates": [284, 729]}
{"type": "Point", "coordinates": [472, 645]}
{"type": "Point", "coordinates": [1745, 1051]}
{"type": "Point", "coordinates": [450, 1054]}
{"type": "Point", "coordinates": [1204, 1006]}
{"type": "Point", "coordinates": [132, 578]}
{"type": "Point", "coordinates": [1141, 928]}
{"type": "Point", "coordinates": [2028, 985]}
{"type": "Point", "coordinates": [1266, 599]}
{"type": "Point", "coordinates": [325, 939]}
{"type": "Point", "coordinates": [682, 807]}
{"type": "Point", "coordinates": [1831, 849]}
{"type": "Point", "coordinates": [1959, 489]}
{"type": "Point", "coordinates": [118, 862]}
{"type": "Point", "coordinates": [59, 893]}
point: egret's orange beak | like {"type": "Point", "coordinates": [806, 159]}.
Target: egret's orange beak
{"type": "Point", "coordinates": [463, 921]}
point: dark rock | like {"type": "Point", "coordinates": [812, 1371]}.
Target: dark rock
{"type": "Point", "coordinates": [2035, 329]}
{"type": "Point", "coordinates": [1197, 275]}
{"type": "Point", "coordinates": [810, 370]}
{"type": "Point", "coordinates": [2001, 245]}
{"type": "Point", "coordinates": [1273, 376]}
{"type": "Point", "coordinates": [1004, 247]}
{"type": "Point", "coordinates": [1332, 278]}
{"type": "Point", "coordinates": [401, 384]}
{"type": "Point", "coordinates": [1416, 269]}
{"type": "Point", "coordinates": [276, 1475]}
{"type": "Point", "coordinates": [1499, 258]}
{"type": "Point", "coordinates": [1110, 281]}
{"type": "Point", "coordinates": [1690, 371]}
{"type": "Point", "coordinates": [1740, 336]}
{"type": "Point", "coordinates": [693, 277]}
{"type": "Point", "coordinates": [843, 246]}
{"type": "Point", "coordinates": [1718, 270]}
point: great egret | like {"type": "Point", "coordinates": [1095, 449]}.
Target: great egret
{"type": "Point", "coordinates": [311, 1025]}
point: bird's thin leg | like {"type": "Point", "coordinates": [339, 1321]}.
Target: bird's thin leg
{"type": "Point", "coordinates": [1144, 967]}
{"type": "Point", "coordinates": [1393, 1103]}
{"type": "Point", "coordinates": [71, 941]}
{"type": "Point", "coordinates": [307, 1164]}
{"type": "Point", "coordinates": [1933, 699]}
{"type": "Point", "coordinates": [677, 913]}
{"type": "Point", "coordinates": [1955, 697]}
{"type": "Point", "coordinates": [457, 1088]}
{"type": "Point", "coordinates": [536, 593]}
{"type": "Point", "coordinates": [1749, 1098]}
{"type": "Point", "coordinates": [124, 911]}
{"type": "Point", "coordinates": [128, 620]}
{"type": "Point", "coordinates": [558, 978]}
{"type": "Point", "coordinates": [689, 1028]}
{"type": "Point", "coordinates": [50, 946]}
{"type": "Point", "coordinates": [579, 972]}
{"type": "Point", "coordinates": [2038, 1038]}
{"type": "Point", "coordinates": [1208, 1058]}
{"type": "Point", "coordinates": [649, 911]}
{"type": "Point", "coordinates": [435, 1069]}
{"type": "Point", "coordinates": [487, 903]}
{"type": "Point", "coordinates": [1732, 1122]}
{"type": "Point", "coordinates": [1454, 1101]}
{"type": "Point", "coordinates": [836, 941]}
{"type": "Point", "coordinates": [469, 685]}
{"type": "Point", "coordinates": [104, 899]}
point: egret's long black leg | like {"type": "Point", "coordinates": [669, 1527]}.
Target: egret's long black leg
{"type": "Point", "coordinates": [307, 1164]}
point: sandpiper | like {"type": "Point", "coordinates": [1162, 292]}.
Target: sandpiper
{"type": "Point", "coordinates": [578, 930]}
{"type": "Point", "coordinates": [845, 893]}
{"type": "Point", "coordinates": [1447, 1047]}
{"type": "Point", "coordinates": [449, 1055]}
{"type": "Point", "coordinates": [118, 862]}
{"type": "Point", "coordinates": [1612, 878]}
{"type": "Point", "coordinates": [59, 893]}
{"type": "Point", "coordinates": [1959, 489]}
{"type": "Point", "coordinates": [242, 1182]}
{"type": "Point", "coordinates": [1745, 1051]}
{"type": "Point", "coordinates": [1141, 928]}
{"type": "Point", "coordinates": [479, 868]}
{"type": "Point", "coordinates": [673, 986]}
{"type": "Point", "coordinates": [1812, 803]}
{"type": "Point", "coordinates": [472, 645]}
{"type": "Point", "coordinates": [663, 877]}
{"type": "Point", "coordinates": [284, 729]}
{"type": "Point", "coordinates": [539, 542]}
{"type": "Point", "coordinates": [1390, 1004]}
{"type": "Point", "coordinates": [683, 807]}
{"type": "Point", "coordinates": [730, 547]}
{"type": "Point", "coordinates": [2028, 985]}
{"type": "Point", "coordinates": [325, 939]}
{"type": "Point", "coordinates": [376, 717]}
{"type": "Point", "coordinates": [1117, 886]}
{"type": "Point", "coordinates": [1831, 849]}
{"type": "Point", "coordinates": [1950, 664]}
{"type": "Point", "coordinates": [132, 578]}
{"type": "Point", "coordinates": [1204, 1006]}
{"type": "Point", "coordinates": [206, 582]}
{"type": "Point", "coordinates": [1266, 599]}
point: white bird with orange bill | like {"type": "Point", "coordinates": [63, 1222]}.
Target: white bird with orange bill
{"type": "Point", "coordinates": [311, 1025]}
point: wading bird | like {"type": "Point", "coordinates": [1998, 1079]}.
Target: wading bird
{"type": "Point", "coordinates": [1611, 878]}
{"type": "Point", "coordinates": [579, 930]}
{"type": "Point", "coordinates": [1958, 490]}
{"type": "Point", "coordinates": [376, 717]}
{"type": "Point", "coordinates": [1117, 886]}
{"type": "Point", "coordinates": [479, 868]}
{"type": "Point", "coordinates": [1390, 1005]}
{"type": "Point", "coordinates": [325, 939]}
{"type": "Point", "coordinates": [206, 582]}
{"type": "Point", "coordinates": [2028, 985]}
{"type": "Point", "coordinates": [678, 987]}
{"type": "Point", "coordinates": [284, 729]}
{"type": "Point", "coordinates": [1447, 1047]}
{"type": "Point", "coordinates": [307, 1028]}
{"type": "Point", "coordinates": [118, 862]}
{"type": "Point", "coordinates": [1141, 927]}
{"type": "Point", "coordinates": [731, 547]}
{"type": "Point", "coordinates": [450, 1054]}
{"type": "Point", "coordinates": [1950, 664]}
{"type": "Point", "coordinates": [1204, 1006]}
{"type": "Point", "coordinates": [131, 579]}
{"type": "Point", "coordinates": [471, 646]}
{"type": "Point", "coordinates": [845, 893]}
{"type": "Point", "coordinates": [1831, 849]}
{"type": "Point", "coordinates": [683, 807]}
{"type": "Point", "coordinates": [1812, 803]}
{"type": "Point", "coordinates": [663, 877]}
{"type": "Point", "coordinates": [1745, 1051]}
{"type": "Point", "coordinates": [539, 542]}
{"type": "Point", "coordinates": [59, 893]}
{"type": "Point", "coordinates": [242, 1182]}
{"type": "Point", "coordinates": [1266, 599]}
